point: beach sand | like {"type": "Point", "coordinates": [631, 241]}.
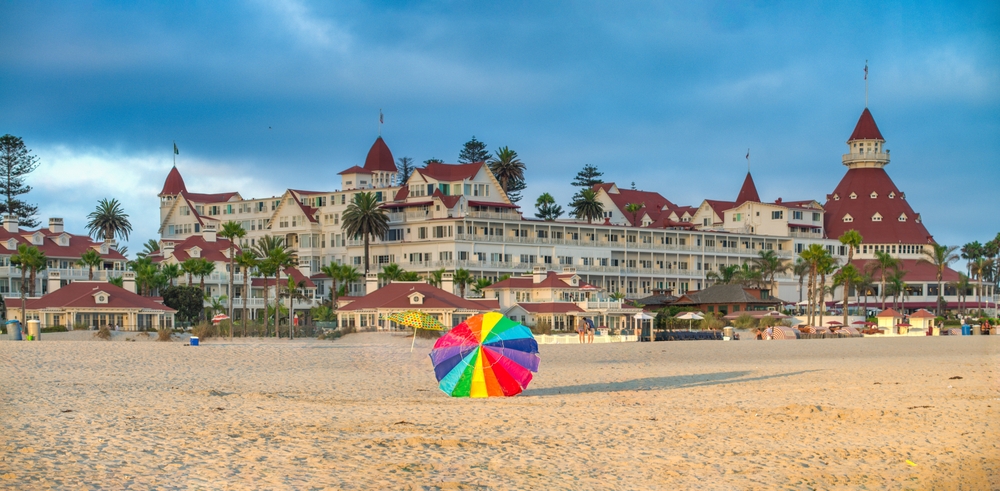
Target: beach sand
{"type": "Point", "coordinates": [363, 412]}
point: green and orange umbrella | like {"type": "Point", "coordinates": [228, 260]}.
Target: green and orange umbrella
{"type": "Point", "coordinates": [488, 355]}
{"type": "Point", "coordinates": [416, 320]}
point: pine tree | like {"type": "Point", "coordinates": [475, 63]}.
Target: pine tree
{"type": "Point", "coordinates": [433, 161]}
{"type": "Point", "coordinates": [405, 167]}
{"type": "Point", "coordinates": [587, 177]}
{"type": "Point", "coordinates": [16, 162]}
{"type": "Point", "coordinates": [473, 151]}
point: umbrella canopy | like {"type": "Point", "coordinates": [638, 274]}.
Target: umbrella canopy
{"type": "Point", "coordinates": [488, 355]}
{"type": "Point", "coordinates": [417, 320]}
{"type": "Point", "coordinates": [219, 318]}
{"type": "Point", "coordinates": [643, 316]}
{"type": "Point", "coordinates": [859, 323]}
{"type": "Point", "coordinates": [834, 323]}
{"type": "Point", "coordinates": [690, 316]}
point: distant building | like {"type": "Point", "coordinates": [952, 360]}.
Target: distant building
{"type": "Point", "coordinates": [728, 299]}
{"type": "Point", "coordinates": [372, 310]}
{"type": "Point", "coordinates": [94, 304]}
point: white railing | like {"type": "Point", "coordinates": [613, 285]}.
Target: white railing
{"type": "Point", "coordinates": [491, 215]}
{"type": "Point", "coordinates": [806, 235]}
{"type": "Point", "coordinates": [849, 158]}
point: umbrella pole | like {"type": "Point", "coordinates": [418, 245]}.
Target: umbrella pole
{"type": "Point", "coordinates": [414, 339]}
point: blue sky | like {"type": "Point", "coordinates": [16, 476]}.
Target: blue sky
{"type": "Point", "coordinates": [267, 95]}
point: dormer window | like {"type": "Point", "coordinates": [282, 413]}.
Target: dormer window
{"type": "Point", "coordinates": [836, 197]}
{"type": "Point", "coordinates": [917, 219]}
{"type": "Point", "coordinates": [848, 218]}
{"type": "Point", "coordinates": [892, 195]}
{"type": "Point", "coordinates": [876, 217]}
{"type": "Point", "coordinates": [416, 298]}
{"type": "Point", "coordinates": [902, 217]}
{"type": "Point", "coordinates": [854, 196]}
{"type": "Point", "coordinates": [11, 244]}
{"type": "Point", "coordinates": [101, 297]}
{"type": "Point", "coordinates": [874, 195]}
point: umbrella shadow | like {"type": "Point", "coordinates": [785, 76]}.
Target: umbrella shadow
{"type": "Point", "coordinates": [659, 383]}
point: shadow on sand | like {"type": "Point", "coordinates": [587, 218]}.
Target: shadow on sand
{"type": "Point", "coordinates": [656, 383]}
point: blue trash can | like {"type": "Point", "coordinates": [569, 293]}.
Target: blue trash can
{"type": "Point", "coordinates": [14, 330]}
{"type": "Point", "coordinates": [194, 341]}
{"type": "Point", "coordinates": [966, 330]}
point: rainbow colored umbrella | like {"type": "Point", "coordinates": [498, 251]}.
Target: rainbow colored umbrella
{"type": "Point", "coordinates": [488, 355]}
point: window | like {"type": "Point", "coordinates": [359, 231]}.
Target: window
{"type": "Point", "coordinates": [566, 260]}
{"type": "Point", "coordinates": [848, 218]}
{"type": "Point", "coordinates": [777, 215]}
{"type": "Point", "coordinates": [737, 217]}
{"type": "Point", "coordinates": [798, 248]}
{"type": "Point", "coordinates": [874, 195]}
{"type": "Point", "coordinates": [463, 255]}
{"type": "Point", "coordinates": [854, 196]}
{"type": "Point", "coordinates": [547, 259]}
{"type": "Point", "coordinates": [816, 216]}
{"type": "Point", "coordinates": [422, 233]}
{"type": "Point", "coordinates": [876, 217]}
{"type": "Point", "coordinates": [902, 217]}
{"type": "Point", "coordinates": [797, 215]}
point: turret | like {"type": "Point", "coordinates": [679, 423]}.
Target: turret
{"type": "Point", "coordinates": [866, 147]}
{"type": "Point", "coordinates": [172, 187]}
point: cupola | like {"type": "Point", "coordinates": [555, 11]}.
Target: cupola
{"type": "Point", "coordinates": [866, 147]}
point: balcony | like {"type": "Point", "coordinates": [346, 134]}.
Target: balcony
{"type": "Point", "coordinates": [853, 158]}
{"type": "Point", "coordinates": [806, 235]}
{"type": "Point", "coordinates": [491, 215]}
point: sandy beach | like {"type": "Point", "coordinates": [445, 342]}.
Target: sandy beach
{"type": "Point", "coordinates": [363, 412]}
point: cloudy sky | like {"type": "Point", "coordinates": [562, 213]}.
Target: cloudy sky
{"type": "Point", "coordinates": [266, 95]}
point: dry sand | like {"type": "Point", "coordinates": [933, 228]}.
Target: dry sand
{"type": "Point", "coordinates": [364, 413]}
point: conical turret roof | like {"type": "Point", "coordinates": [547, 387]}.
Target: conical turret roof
{"type": "Point", "coordinates": [748, 192]}
{"type": "Point", "coordinates": [174, 184]}
{"type": "Point", "coordinates": [380, 158]}
{"type": "Point", "coordinates": [866, 129]}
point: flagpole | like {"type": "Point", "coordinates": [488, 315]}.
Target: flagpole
{"type": "Point", "coordinates": [175, 153]}
{"type": "Point", "coordinates": [866, 83]}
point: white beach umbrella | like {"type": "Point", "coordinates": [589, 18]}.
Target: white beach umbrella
{"type": "Point", "coordinates": [690, 316]}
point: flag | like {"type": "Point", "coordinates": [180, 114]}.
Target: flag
{"type": "Point", "coordinates": [748, 154]}
{"type": "Point", "coordinates": [866, 69]}
{"type": "Point", "coordinates": [380, 119]}
{"type": "Point", "coordinates": [176, 152]}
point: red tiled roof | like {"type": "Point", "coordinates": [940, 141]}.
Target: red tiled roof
{"type": "Point", "coordinates": [395, 295]}
{"type": "Point", "coordinates": [80, 294]}
{"type": "Point", "coordinates": [299, 277]}
{"type": "Point", "coordinates": [448, 201]}
{"type": "Point", "coordinates": [653, 203]}
{"type": "Point", "coordinates": [496, 204]}
{"type": "Point", "coordinates": [353, 170]}
{"type": "Point", "coordinates": [209, 198]}
{"type": "Point", "coordinates": [748, 192]}
{"type": "Point", "coordinates": [486, 303]}
{"type": "Point", "coordinates": [211, 251]}
{"type": "Point", "coordinates": [450, 172]}
{"type": "Point", "coordinates": [916, 271]}
{"type": "Point", "coordinates": [550, 307]}
{"type": "Point", "coordinates": [380, 158]}
{"type": "Point", "coordinates": [720, 206]}
{"type": "Point", "coordinates": [866, 129]}
{"type": "Point", "coordinates": [552, 280]}
{"type": "Point", "coordinates": [888, 312]}
{"type": "Point", "coordinates": [922, 314]}
{"type": "Point", "coordinates": [402, 194]}
{"type": "Point", "coordinates": [862, 182]}
{"type": "Point", "coordinates": [174, 183]}
{"type": "Point", "coordinates": [78, 244]}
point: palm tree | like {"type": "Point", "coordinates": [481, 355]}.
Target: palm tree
{"type": "Point", "coordinates": [436, 277]}
{"type": "Point", "coordinates": [725, 275]}
{"type": "Point", "coordinates": [883, 264]}
{"type": "Point", "coordinates": [801, 270]}
{"type": "Point", "coordinates": [91, 259]}
{"type": "Point", "coordinates": [348, 275]}
{"type": "Point", "coordinates": [971, 252]}
{"type": "Point", "coordinates": [145, 274]}
{"type": "Point", "coordinates": [35, 261]}
{"type": "Point", "coordinates": [391, 272]}
{"type": "Point", "coordinates": [507, 168]}
{"type": "Point", "coordinates": [896, 284]}
{"type": "Point", "coordinates": [205, 268]}
{"type": "Point", "coordinates": [294, 291]}
{"type": "Point", "coordinates": [586, 205]}
{"type": "Point", "coordinates": [812, 256]}
{"type": "Point", "coordinates": [845, 277]}
{"type": "Point", "coordinates": [548, 210]}
{"type": "Point", "coordinates": [190, 268]}
{"type": "Point", "coordinates": [247, 261]}
{"type": "Point", "coordinates": [979, 267]}
{"type": "Point", "coordinates": [633, 209]}
{"type": "Point", "coordinates": [961, 289]}
{"type": "Point", "coordinates": [863, 283]}
{"type": "Point", "coordinates": [332, 270]}
{"type": "Point", "coordinates": [940, 256]}
{"type": "Point", "coordinates": [22, 259]}
{"type": "Point", "coordinates": [151, 246]}
{"type": "Point", "coordinates": [480, 284]}
{"type": "Point", "coordinates": [171, 272]}
{"type": "Point", "coordinates": [365, 218]}
{"type": "Point", "coordinates": [109, 220]}
{"type": "Point", "coordinates": [231, 231]}
{"type": "Point", "coordinates": [462, 278]}
{"type": "Point", "coordinates": [827, 265]}
{"type": "Point", "coordinates": [749, 276]}
{"type": "Point", "coordinates": [853, 240]}
{"type": "Point", "coordinates": [770, 265]}
{"type": "Point", "coordinates": [275, 257]}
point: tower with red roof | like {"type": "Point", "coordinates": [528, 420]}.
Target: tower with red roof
{"type": "Point", "coordinates": [868, 201]}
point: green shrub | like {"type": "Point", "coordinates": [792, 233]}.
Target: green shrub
{"type": "Point", "coordinates": [205, 330]}
{"type": "Point", "coordinates": [744, 321]}
{"type": "Point", "coordinates": [712, 322]}
{"type": "Point", "coordinates": [55, 329]}
{"type": "Point", "coordinates": [542, 327]}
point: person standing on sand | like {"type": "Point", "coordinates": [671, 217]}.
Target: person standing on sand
{"type": "Point", "coordinates": [590, 330]}
{"type": "Point", "coordinates": [769, 333]}
{"type": "Point", "coordinates": [581, 329]}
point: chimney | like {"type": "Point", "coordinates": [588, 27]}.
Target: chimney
{"type": "Point", "coordinates": [56, 225]}
{"type": "Point", "coordinates": [167, 249]}
{"type": "Point", "coordinates": [208, 232]}
{"type": "Point", "coordinates": [448, 282]}
{"type": "Point", "coordinates": [54, 281]}
{"type": "Point", "coordinates": [10, 223]}
{"type": "Point", "coordinates": [128, 281]}
{"type": "Point", "coordinates": [537, 274]}
{"type": "Point", "coordinates": [371, 283]}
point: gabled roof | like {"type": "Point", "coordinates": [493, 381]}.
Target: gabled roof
{"type": "Point", "coordinates": [447, 201]}
{"type": "Point", "coordinates": [379, 158]}
{"type": "Point", "coordinates": [211, 251]}
{"type": "Point", "coordinates": [862, 182]}
{"type": "Point", "coordinates": [723, 294]}
{"type": "Point", "coordinates": [922, 314]}
{"type": "Point", "coordinates": [450, 172]}
{"type": "Point", "coordinates": [866, 129]}
{"type": "Point", "coordinates": [403, 193]}
{"type": "Point", "coordinates": [916, 271]}
{"type": "Point", "coordinates": [210, 198]}
{"type": "Point", "coordinates": [552, 280]}
{"type": "Point", "coordinates": [653, 203]}
{"type": "Point", "coordinates": [78, 244]}
{"type": "Point", "coordinates": [748, 192]}
{"type": "Point", "coordinates": [174, 183]}
{"type": "Point", "coordinates": [888, 312]}
{"type": "Point", "coordinates": [80, 294]}
{"type": "Point", "coordinates": [354, 170]}
{"type": "Point", "coordinates": [396, 295]}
